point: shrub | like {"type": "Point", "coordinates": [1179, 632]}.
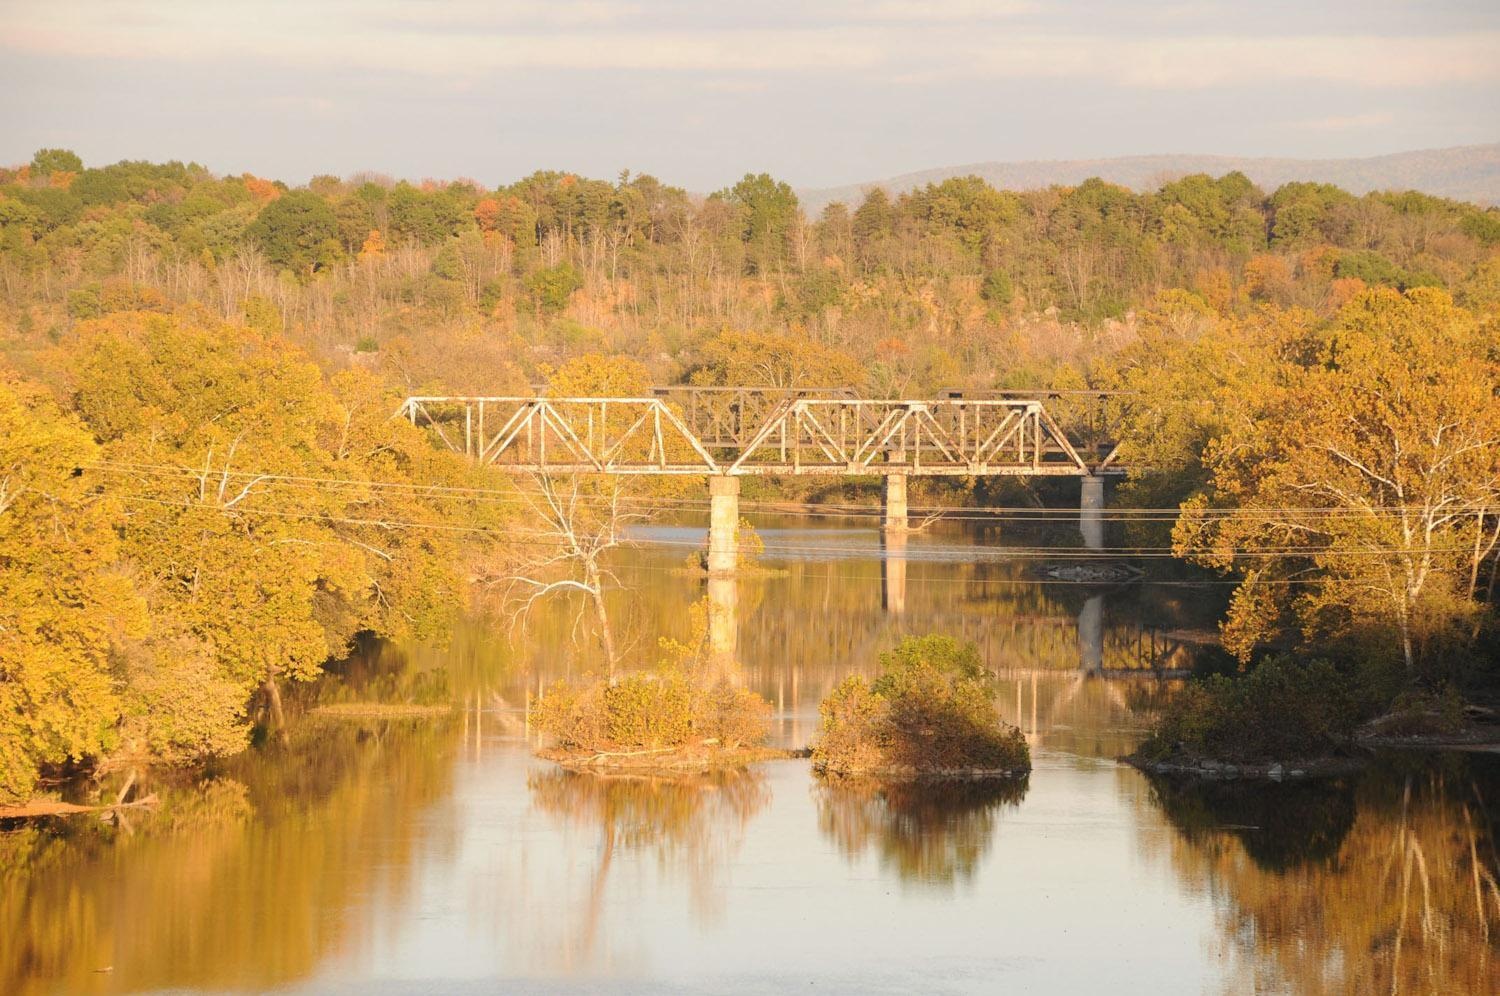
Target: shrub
{"type": "Point", "coordinates": [733, 717]}
{"type": "Point", "coordinates": [997, 288]}
{"type": "Point", "coordinates": [1282, 710]}
{"type": "Point", "coordinates": [1423, 712]}
{"type": "Point", "coordinates": [551, 287]}
{"type": "Point", "coordinates": [931, 710]}
{"type": "Point", "coordinates": [644, 711]}
{"type": "Point", "coordinates": [656, 710]}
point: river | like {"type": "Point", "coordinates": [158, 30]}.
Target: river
{"type": "Point", "coordinates": [387, 853]}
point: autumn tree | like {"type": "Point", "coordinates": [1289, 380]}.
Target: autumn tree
{"type": "Point", "coordinates": [271, 515]}
{"type": "Point", "coordinates": [64, 605]}
{"type": "Point", "coordinates": [767, 359]}
{"type": "Point", "coordinates": [1358, 495]}
{"type": "Point", "coordinates": [49, 161]}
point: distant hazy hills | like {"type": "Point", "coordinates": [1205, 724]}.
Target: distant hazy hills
{"type": "Point", "coordinates": [1469, 172]}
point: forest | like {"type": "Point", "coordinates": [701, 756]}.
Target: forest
{"type": "Point", "coordinates": [203, 495]}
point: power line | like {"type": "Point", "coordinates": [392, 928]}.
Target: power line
{"type": "Point", "coordinates": [996, 553]}
{"type": "Point", "coordinates": [990, 514]}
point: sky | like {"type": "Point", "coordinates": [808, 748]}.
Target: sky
{"type": "Point", "coordinates": [699, 92]}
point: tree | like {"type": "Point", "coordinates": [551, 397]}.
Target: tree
{"type": "Point", "coordinates": [63, 604]}
{"type": "Point", "coordinates": [767, 211]}
{"type": "Point", "coordinates": [49, 161]}
{"type": "Point", "coordinates": [298, 232]}
{"type": "Point", "coordinates": [766, 359]}
{"type": "Point", "coordinates": [217, 440]}
{"type": "Point", "coordinates": [551, 287]}
{"type": "Point", "coordinates": [579, 526]}
{"type": "Point", "coordinates": [1365, 481]}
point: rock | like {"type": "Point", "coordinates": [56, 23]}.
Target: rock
{"type": "Point", "coordinates": [1230, 771]}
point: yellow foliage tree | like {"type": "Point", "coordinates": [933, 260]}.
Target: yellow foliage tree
{"type": "Point", "coordinates": [63, 606]}
{"type": "Point", "coordinates": [1366, 479]}
{"type": "Point", "coordinates": [374, 245]}
{"type": "Point", "coordinates": [272, 515]}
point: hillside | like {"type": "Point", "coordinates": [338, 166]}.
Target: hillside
{"type": "Point", "coordinates": [1468, 173]}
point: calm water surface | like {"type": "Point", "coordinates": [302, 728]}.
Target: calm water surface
{"type": "Point", "coordinates": [435, 854]}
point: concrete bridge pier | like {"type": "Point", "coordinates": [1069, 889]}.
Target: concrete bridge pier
{"type": "Point", "coordinates": [1091, 512]}
{"type": "Point", "coordinates": [895, 503]}
{"type": "Point", "coordinates": [723, 524]}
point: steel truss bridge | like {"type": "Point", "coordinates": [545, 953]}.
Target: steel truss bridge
{"type": "Point", "coordinates": [735, 432]}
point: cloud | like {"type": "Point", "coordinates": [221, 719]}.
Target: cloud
{"type": "Point", "coordinates": [1346, 122]}
{"type": "Point", "coordinates": [933, 11]}
{"type": "Point", "coordinates": [1207, 61]}
{"type": "Point", "coordinates": [885, 40]}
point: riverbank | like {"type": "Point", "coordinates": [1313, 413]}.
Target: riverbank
{"type": "Point", "coordinates": [1285, 720]}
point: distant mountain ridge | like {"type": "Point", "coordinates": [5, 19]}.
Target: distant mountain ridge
{"type": "Point", "coordinates": [1466, 173]}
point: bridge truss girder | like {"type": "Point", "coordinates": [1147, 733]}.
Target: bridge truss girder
{"type": "Point", "coordinates": [791, 435]}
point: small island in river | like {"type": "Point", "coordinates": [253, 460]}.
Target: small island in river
{"type": "Point", "coordinates": [929, 715]}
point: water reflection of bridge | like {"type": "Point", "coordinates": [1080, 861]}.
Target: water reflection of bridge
{"type": "Point", "coordinates": [1038, 637]}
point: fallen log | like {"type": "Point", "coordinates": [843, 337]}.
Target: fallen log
{"type": "Point", "coordinates": [33, 810]}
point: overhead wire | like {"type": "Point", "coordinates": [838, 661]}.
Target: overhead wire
{"type": "Point", "coordinates": [994, 552]}
{"type": "Point", "coordinates": [987, 514]}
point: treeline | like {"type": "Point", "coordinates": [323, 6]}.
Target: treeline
{"type": "Point", "coordinates": [955, 284]}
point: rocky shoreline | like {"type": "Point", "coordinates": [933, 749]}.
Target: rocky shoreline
{"type": "Point", "coordinates": [1276, 771]}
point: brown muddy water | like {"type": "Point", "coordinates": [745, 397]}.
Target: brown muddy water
{"type": "Point", "coordinates": [435, 854]}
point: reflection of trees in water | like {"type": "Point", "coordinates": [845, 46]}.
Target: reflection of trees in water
{"type": "Point", "coordinates": [1279, 826]}
{"type": "Point", "coordinates": [1384, 885]}
{"type": "Point", "coordinates": [927, 832]}
{"type": "Point", "coordinates": [246, 880]}
{"type": "Point", "coordinates": [691, 825]}
{"type": "Point", "coordinates": [1080, 714]}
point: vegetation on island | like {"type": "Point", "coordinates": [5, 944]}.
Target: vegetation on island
{"type": "Point", "coordinates": [1281, 711]}
{"type": "Point", "coordinates": [664, 718]}
{"type": "Point", "coordinates": [930, 712]}
{"type": "Point", "coordinates": [202, 495]}
{"type": "Point", "coordinates": [688, 712]}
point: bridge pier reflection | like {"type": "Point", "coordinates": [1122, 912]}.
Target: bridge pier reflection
{"type": "Point", "coordinates": [893, 571]}
{"type": "Point", "coordinates": [723, 624]}
{"type": "Point", "coordinates": [1091, 636]}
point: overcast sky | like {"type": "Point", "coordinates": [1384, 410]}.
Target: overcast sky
{"type": "Point", "coordinates": [818, 92]}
